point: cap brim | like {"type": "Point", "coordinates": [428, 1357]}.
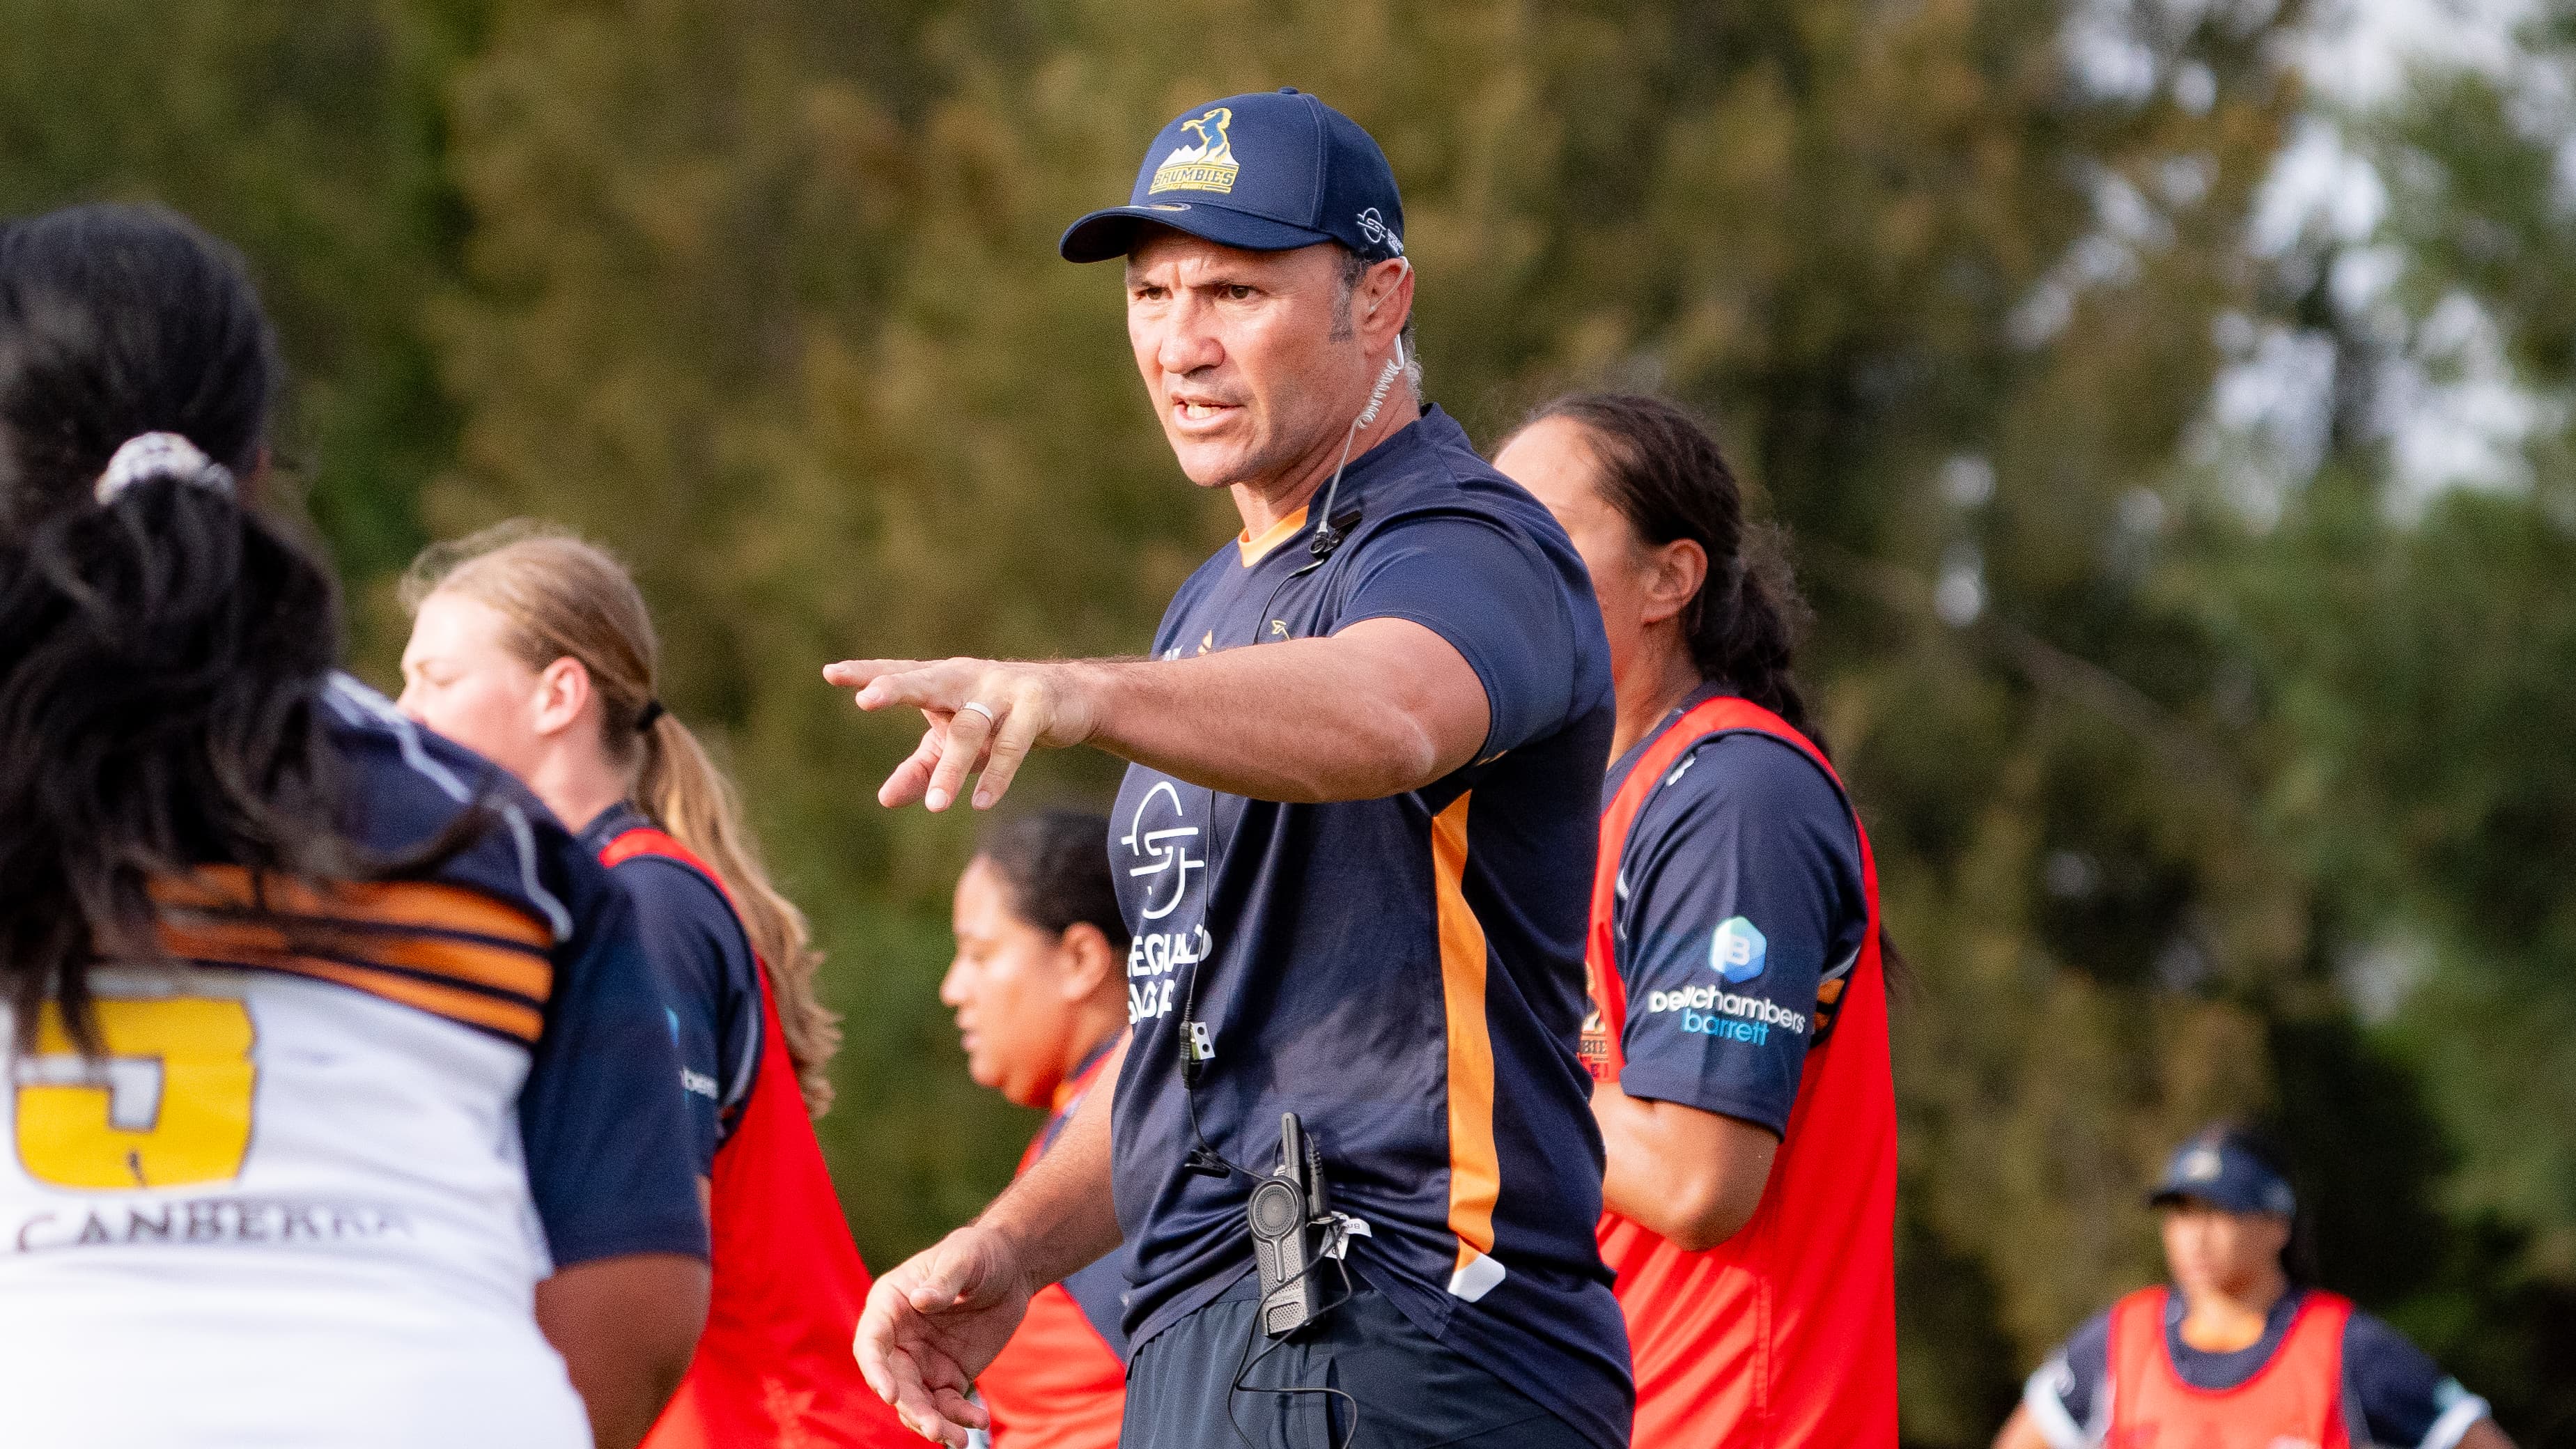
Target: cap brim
{"type": "Point", "coordinates": [2165, 1197]}
{"type": "Point", "coordinates": [1107, 234]}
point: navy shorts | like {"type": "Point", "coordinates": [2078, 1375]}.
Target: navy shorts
{"type": "Point", "coordinates": [1410, 1390]}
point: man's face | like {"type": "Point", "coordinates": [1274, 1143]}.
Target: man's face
{"type": "Point", "coordinates": [1239, 352]}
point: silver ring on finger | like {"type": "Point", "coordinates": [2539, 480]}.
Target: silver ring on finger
{"type": "Point", "coordinates": [983, 709]}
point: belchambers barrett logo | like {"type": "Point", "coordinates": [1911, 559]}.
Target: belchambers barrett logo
{"type": "Point", "coordinates": [1207, 166]}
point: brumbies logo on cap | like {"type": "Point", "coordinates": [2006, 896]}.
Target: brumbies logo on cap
{"type": "Point", "coordinates": [1207, 166]}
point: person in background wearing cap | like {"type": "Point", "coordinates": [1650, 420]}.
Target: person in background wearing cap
{"type": "Point", "coordinates": [2237, 1354]}
{"type": "Point", "coordinates": [1354, 846]}
{"type": "Point", "coordinates": [1040, 990]}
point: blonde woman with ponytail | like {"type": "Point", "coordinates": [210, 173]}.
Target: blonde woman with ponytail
{"type": "Point", "coordinates": [536, 649]}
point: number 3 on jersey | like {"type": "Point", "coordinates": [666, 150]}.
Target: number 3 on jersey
{"type": "Point", "coordinates": [169, 1106]}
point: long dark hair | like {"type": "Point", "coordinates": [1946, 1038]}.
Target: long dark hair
{"type": "Point", "coordinates": [1055, 863]}
{"type": "Point", "coordinates": [1660, 468]}
{"type": "Point", "coordinates": [164, 648]}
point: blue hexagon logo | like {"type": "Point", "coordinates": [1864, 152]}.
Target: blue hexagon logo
{"type": "Point", "coordinates": [1736, 950]}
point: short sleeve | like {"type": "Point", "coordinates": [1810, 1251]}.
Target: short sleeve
{"type": "Point", "coordinates": [1499, 599]}
{"type": "Point", "coordinates": [1740, 886]}
{"type": "Point", "coordinates": [2065, 1396]}
{"type": "Point", "coordinates": [608, 1144]}
{"type": "Point", "coordinates": [2406, 1400]}
{"type": "Point", "coordinates": [711, 988]}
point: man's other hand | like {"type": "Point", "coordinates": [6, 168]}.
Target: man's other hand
{"type": "Point", "coordinates": [934, 1323]}
{"type": "Point", "coordinates": [1019, 707]}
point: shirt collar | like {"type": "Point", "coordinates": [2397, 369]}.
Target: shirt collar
{"type": "Point", "coordinates": [613, 822]}
{"type": "Point", "coordinates": [1434, 429]}
{"type": "Point", "coordinates": [1071, 1088]}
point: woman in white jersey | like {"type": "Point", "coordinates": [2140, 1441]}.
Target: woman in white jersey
{"type": "Point", "coordinates": [334, 1068]}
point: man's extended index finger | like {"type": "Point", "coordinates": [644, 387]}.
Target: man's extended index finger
{"type": "Point", "coordinates": [858, 673]}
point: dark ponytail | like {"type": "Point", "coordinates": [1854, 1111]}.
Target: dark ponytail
{"type": "Point", "coordinates": [1668, 478]}
{"type": "Point", "coordinates": [1055, 864]}
{"type": "Point", "coordinates": [162, 647]}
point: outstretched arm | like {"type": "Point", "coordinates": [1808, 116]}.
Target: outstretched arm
{"type": "Point", "coordinates": [940, 1317]}
{"type": "Point", "coordinates": [1382, 707]}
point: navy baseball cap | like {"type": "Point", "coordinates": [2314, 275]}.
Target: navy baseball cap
{"type": "Point", "coordinates": [1266, 172]}
{"type": "Point", "coordinates": [2223, 1167]}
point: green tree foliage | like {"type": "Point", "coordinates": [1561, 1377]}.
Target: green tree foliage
{"type": "Point", "coordinates": [765, 296]}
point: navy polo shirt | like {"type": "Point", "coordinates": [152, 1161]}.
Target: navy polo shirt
{"type": "Point", "coordinates": [1739, 887]}
{"type": "Point", "coordinates": [1405, 974]}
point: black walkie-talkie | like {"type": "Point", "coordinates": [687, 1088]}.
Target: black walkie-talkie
{"type": "Point", "coordinates": [1286, 1206]}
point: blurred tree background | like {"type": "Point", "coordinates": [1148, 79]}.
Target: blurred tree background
{"type": "Point", "coordinates": [2174, 430]}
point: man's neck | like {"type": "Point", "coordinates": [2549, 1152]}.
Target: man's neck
{"type": "Point", "coordinates": [2216, 1321]}
{"type": "Point", "coordinates": [1263, 502]}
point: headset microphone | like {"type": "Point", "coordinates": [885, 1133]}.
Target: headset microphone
{"type": "Point", "coordinates": [1328, 529]}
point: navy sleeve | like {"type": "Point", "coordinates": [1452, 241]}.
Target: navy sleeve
{"type": "Point", "coordinates": [1740, 884]}
{"type": "Point", "coordinates": [711, 988]}
{"type": "Point", "coordinates": [1500, 600]}
{"type": "Point", "coordinates": [2404, 1396]}
{"type": "Point", "coordinates": [2065, 1393]}
{"type": "Point", "coordinates": [609, 1162]}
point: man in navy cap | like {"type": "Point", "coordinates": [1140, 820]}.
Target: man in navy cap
{"type": "Point", "coordinates": [1354, 845]}
{"type": "Point", "coordinates": [2238, 1354]}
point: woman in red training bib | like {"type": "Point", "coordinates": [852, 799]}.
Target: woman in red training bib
{"type": "Point", "coordinates": [535, 648]}
{"type": "Point", "coordinates": [1039, 986]}
{"type": "Point", "coordinates": [1739, 1032]}
{"type": "Point", "coordinates": [2236, 1354]}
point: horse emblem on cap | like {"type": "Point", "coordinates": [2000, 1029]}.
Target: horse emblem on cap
{"type": "Point", "coordinates": [1207, 166]}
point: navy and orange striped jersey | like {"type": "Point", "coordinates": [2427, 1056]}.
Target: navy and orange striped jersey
{"type": "Point", "coordinates": [1405, 974]}
{"type": "Point", "coordinates": [327, 1153]}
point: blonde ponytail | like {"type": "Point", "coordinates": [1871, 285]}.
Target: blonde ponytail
{"type": "Point", "coordinates": [566, 598]}
{"type": "Point", "coordinates": [681, 788]}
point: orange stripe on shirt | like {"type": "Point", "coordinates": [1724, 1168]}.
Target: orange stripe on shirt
{"type": "Point", "coordinates": [234, 937]}
{"type": "Point", "coordinates": [510, 1018]}
{"type": "Point", "coordinates": [1475, 1168]}
{"type": "Point", "coordinates": [426, 905]}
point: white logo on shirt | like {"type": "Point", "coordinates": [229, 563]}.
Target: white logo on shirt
{"type": "Point", "coordinates": [1164, 851]}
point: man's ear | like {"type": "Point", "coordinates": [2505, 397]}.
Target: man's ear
{"type": "Point", "coordinates": [1384, 301]}
{"type": "Point", "coordinates": [563, 691]}
{"type": "Point", "coordinates": [1089, 964]}
{"type": "Point", "coordinates": [1674, 572]}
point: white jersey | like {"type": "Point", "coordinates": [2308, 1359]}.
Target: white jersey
{"type": "Point", "coordinates": [272, 1171]}
{"type": "Point", "coordinates": [290, 1206]}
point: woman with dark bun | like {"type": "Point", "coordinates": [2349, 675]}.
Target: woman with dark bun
{"type": "Point", "coordinates": [336, 1068]}
{"type": "Point", "coordinates": [1739, 1032]}
{"type": "Point", "coordinates": [1039, 986]}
